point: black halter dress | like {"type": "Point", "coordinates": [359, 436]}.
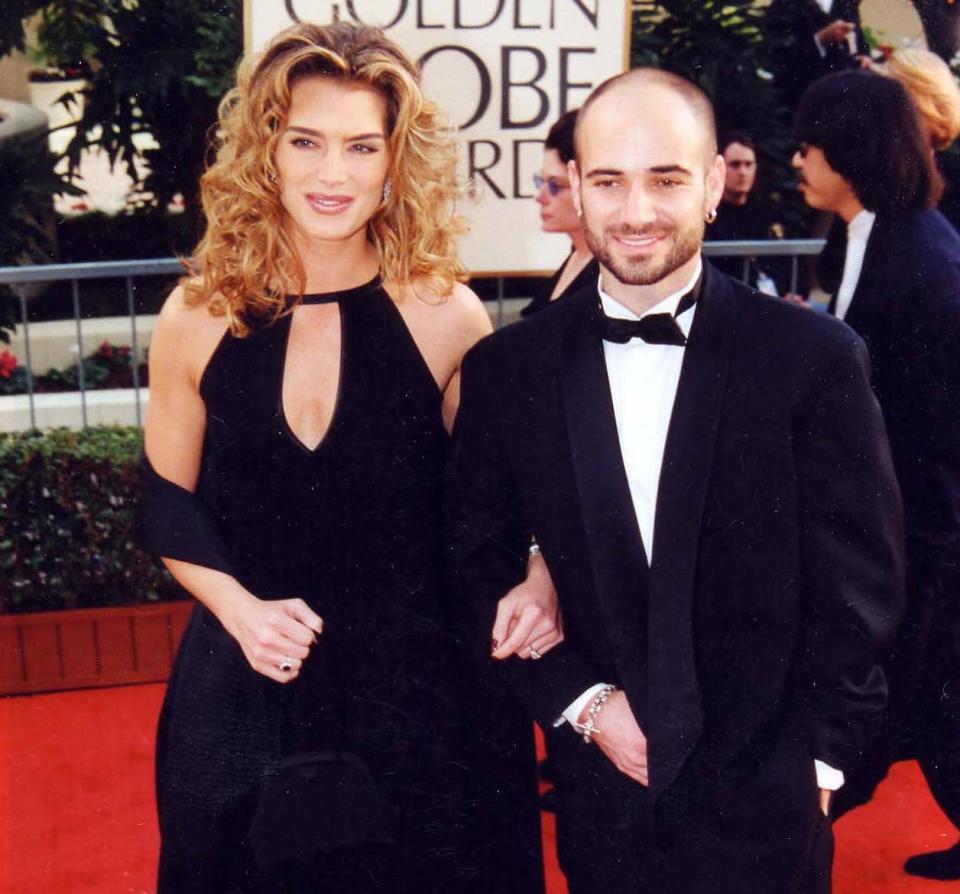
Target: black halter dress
{"type": "Point", "coordinates": [354, 528]}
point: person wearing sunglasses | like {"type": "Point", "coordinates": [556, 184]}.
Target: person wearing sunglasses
{"type": "Point", "coordinates": [894, 273]}
{"type": "Point", "coordinates": [558, 215]}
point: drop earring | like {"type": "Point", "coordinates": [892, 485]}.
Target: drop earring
{"type": "Point", "coordinates": [387, 190]}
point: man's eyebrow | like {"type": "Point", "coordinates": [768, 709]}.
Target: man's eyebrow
{"type": "Point", "coordinates": [656, 169]}
{"type": "Point", "coordinates": [310, 132]}
{"type": "Point", "coordinates": [671, 169]}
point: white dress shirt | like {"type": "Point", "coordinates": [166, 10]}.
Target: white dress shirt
{"type": "Point", "coordinates": [858, 233]}
{"type": "Point", "coordinates": [643, 385]}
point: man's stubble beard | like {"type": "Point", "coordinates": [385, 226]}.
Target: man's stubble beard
{"type": "Point", "coordinates": [646, 272]}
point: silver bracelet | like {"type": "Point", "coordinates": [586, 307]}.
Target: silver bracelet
{"type": "Point", "coordinates": [588, 728]}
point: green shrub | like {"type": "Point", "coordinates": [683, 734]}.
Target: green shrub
{"type": "Point", "coordinates": [67, 514]}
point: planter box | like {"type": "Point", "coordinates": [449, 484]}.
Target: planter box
{"type": "Point", "coordinates": [84, 648]}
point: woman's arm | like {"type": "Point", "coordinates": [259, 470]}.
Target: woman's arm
{"type": "Point", "coordinates": [272, 634]}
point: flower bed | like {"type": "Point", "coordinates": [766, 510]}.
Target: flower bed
{"type": "Point", "coordinates": [110, 366]}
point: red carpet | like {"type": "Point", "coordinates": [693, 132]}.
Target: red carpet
{"type": "Point", "coordinates": [76, 804]}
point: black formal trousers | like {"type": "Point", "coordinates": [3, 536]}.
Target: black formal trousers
{"type": "Point", "coordinates": [750, 646]}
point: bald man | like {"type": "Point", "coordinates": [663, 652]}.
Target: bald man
{"type": "Point", "coordinates": [706, 472]}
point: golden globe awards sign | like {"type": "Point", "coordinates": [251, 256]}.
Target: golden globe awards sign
{"type": "Point", "coordinates": [503, 71]}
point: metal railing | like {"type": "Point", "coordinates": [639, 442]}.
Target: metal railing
{"type": "Point", "coordinates": [19, 277]}
{"type": "Point", "coordinates": [770, 248]}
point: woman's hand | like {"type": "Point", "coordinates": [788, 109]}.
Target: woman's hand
{"type": "Point", "coordinates": [529, 622]}
{"type": "Point", "coordinates": [273, 634]}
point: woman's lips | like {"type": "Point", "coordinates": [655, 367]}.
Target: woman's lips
{"type": "Point", "coordinates": [327, 204]}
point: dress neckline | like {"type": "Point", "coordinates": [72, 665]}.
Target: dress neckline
{"type": "Point", "coordinates": [339, 295]}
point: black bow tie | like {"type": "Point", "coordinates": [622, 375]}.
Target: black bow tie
{"type": "Point", "coordinates": [654, 329]}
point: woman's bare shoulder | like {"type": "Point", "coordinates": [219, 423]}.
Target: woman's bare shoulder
{"type": "Point", "coordinates": [186, 333]}
{"type": "Point", "coordinates": [454, 309]}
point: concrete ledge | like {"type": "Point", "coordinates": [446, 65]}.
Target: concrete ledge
{"type": "Point", "coordinates": [111, 406]}
{"type": "Point", "coordinates": [20, 119]}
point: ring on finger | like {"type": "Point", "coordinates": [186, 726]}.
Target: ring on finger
{"type": "Point", "coordinates": [286, 665]}
{"type": "Point", "coordinates": [535, 655]}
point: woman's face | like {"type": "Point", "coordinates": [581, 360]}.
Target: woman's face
{"type": "Point", "coordinates": [332, 159]}
{"type": "Point", "coordinates": [557, 214]}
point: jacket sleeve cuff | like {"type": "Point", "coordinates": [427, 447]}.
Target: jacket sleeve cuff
{"type": "Point", "coordinates": [573, 711]}
{"type": "Point", "coordinates": [829, 778]}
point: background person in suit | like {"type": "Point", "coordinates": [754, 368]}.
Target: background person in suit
{"type": "Point", "coordinates": [862, 155]}
{"type": "Point", "coordinates": [741, 217]}
{"type": "Point", "coordinates": [716, 503]}
{"type": "Point", "coordinates": [812, 38]}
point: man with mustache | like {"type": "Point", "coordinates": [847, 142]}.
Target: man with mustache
{"type": "Point", "coordinates": [706, 472]}
{"type": "Point", "coordinates": [894, 271]}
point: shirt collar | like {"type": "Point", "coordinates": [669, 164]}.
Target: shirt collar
{"type": "Point", "coordinates": [613, 308]}
{"type": "Point", "coordinates": [861, 225]}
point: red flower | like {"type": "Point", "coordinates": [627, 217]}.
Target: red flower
{"type": "Point", "coordinates": [8, 363]}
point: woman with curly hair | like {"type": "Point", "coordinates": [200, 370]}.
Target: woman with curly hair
{"type": "Point", "coordinates": [302, 380]}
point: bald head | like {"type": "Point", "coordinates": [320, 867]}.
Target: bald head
{"type": "Point", "coordinates": [641, 87]}
{"type": "Point", "coordinates": [646, 178]}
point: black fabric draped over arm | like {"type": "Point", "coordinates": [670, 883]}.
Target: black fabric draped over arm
{"type": "Point", "coordinates": [177, 524]}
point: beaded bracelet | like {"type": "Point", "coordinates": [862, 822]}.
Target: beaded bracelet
{"type": "Point", "coordinates": [588, 728]}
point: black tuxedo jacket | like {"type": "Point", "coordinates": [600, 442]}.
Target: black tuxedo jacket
{"type": "Point", "coordinates": [907, 308]}
{"type": "Point", "coordinates": [777, 567]}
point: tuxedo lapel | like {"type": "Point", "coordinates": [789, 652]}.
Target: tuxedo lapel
{"type": "Point", "coordinates": [674, 699]}
{"type": "Point", "coordinates": [617, 556]}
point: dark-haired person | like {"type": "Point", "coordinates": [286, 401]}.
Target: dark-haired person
{"type": "Point", "coordinates": [808, 39]}
{"type": "Point", "coordinates": [740, 217]}
{"type": "Point", "coordinates": [862, 155]}
{"type": "Point", "coordinates": [708, 478]}
{"type": "Point", "coordinates": [558, 215]}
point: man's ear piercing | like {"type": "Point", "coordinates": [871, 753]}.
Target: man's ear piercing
{"type": "Point", "coordinates": [711, 215]}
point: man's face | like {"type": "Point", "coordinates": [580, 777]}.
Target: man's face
{"type": "Point", "coordinates": [645, 182]}
{"type": "Point", "coordinates": [822, 187]}
{"type": "Point", "coordinates": [741, 164]}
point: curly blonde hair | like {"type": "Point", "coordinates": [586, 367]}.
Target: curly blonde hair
{"type": "Point", "coordinates": [246, 263]}
{"type": "Point", "coordinates": [933, 89]}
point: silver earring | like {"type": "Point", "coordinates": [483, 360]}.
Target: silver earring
{"type": "Point", "coordinates": [387, 190]}
{"type": "Point", "coordinates": [272, 177]}
{"type": "Point", "coordinates": [711, 215]}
